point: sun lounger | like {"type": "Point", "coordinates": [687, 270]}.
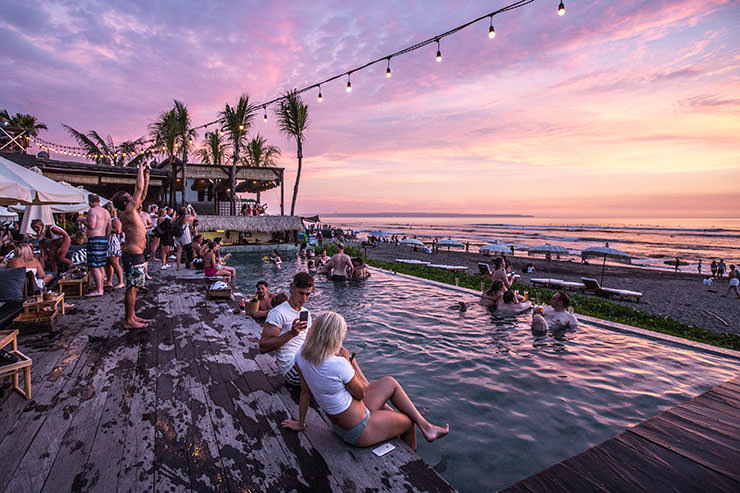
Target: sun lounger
{"type": "Point", "coordinates": [624, 294]}
{"type": "Point", "coordinates": [411, 261]}
{"type": "Point", "coordinates": [484, 269]}
{"type": "Point", "coordinates": [456, 268]}
{"type": "Point", "coordinates": [548, 283]}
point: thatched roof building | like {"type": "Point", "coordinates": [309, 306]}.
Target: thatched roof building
{"type": "Point", "coordinates": [248, 224]}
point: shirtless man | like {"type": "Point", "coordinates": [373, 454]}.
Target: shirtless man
{"type": "Point", "coordinates": [265, 298]}
{"type": "Point", "coordinates": [134, 264]}
{"type": "Point", "coordinates": [340, 265]}
{"type": "Point", "coordinates": [493, 297]}
{"type": "Point", "coordinates": [555, 316]}
{"type": "Point", "coordinates": [98, 229]}
{"type": "Point", "coordinates": [512, 306]}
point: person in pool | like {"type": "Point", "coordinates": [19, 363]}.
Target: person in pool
{"type": "Point", "coordinates": [555, 316]}
{"type": "Point", "coordinates": [340, 265]}
{"type": "Point", "coordinates": [493, 297]}
{"type": "Point", "coordinates": [265, 298]}
{"type": "Point", "coordinates": [357, 410]}
{"type": "Point", "coordinates": [511, 305]}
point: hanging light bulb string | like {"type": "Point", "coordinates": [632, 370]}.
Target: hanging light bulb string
{"type": "Point", "coordinates": [387, 58]}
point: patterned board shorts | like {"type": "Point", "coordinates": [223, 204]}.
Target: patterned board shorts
{"type": "Point", "coordinates": [134, 268]}
{"type": "Point", "coordinates": [97, 251]}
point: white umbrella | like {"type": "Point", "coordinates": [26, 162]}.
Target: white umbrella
{"type": "Point", "coordinates": [412, 241]}
{"type": "Point", "coordinates": [548, 249]}
{"type": "Point", "coordinates": [379, 234]}
{"type": "Point", "coordinates": [33, 212]}
{"type": "Point", "coordinates": [518, 246]}
{"type": "Point", "coordinates": [6, 215]}
{"type": "Point", "coordinates": [606, 252]}
{"type": "Point", "coordinates": [18, 184]}
{"type": "Point", "coordinates": [67, 208]}
{"type": "Point", "coordinates": [450, 243]}
{"type": "Point", "coordinates": [494, 248]}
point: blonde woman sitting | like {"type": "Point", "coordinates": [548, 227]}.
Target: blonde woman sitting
{"type": "Point", "coordinates": [25, 258]}
{"type": "Point", "coordinates": [358, 412]}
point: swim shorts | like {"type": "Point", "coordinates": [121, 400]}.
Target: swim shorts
{"type": "Point", "coordinates": [292, 377]}
{"type": "Point", "coordinates": [210, 271]}
{"type": "Point", "coordinates": [353, 434]}
{"type": "Point", "coordinates": [734, 281]}
{"type": "Point", "coordinates": [134, 267]}
{"type": "Point", "coordinates": [337, 277]}
{"type": "Point", "coordinates": [97, 251]}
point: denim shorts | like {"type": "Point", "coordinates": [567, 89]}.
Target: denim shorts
{"type": "Point", "coordinates": [353, 434]}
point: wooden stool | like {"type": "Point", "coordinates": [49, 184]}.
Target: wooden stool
{"type": "Point", "coordinates": [13, 369]}
{"type": "Point", "coordinates": [74, 288]}
{"type": "Point", "coordinates": [37, 304]}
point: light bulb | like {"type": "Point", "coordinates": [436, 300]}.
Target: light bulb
{"type": "Point", "coordinates": [349, 84]}
{"type": "Point", "coordinates": [321, 97]}
{"type": "Point", "coordinates": [561, 8]}
{"type": "Point", "coordinates": [491, 32]}
{"type": "Point", "coordinates": [241, 127]}
{"type": "Point", "coordinates": [439, 56]}
{"type": "Point", "coordinates": [388, 69]}
{"type": "Point", "coordinates": [265, 117]}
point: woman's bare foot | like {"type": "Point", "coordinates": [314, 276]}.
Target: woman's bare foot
{"type": "Point", "coordinates": [93, 294]}
{"type": "Point", "coordinates": [148, 277]}
{"type": "Point", "coordinates": [119, 286]}
{"type": "Point", "coordinates": [432, 432]}
{"type": "Point", "coordinates": [133, 324]}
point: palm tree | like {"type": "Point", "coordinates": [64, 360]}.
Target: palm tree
{"type": "Point", "coordinates": [25, 122]}
{"type": "Point", "coordinates": [164, 131]}
{"type": "Point", "coordinates": [292, 115]}
{"type": "Point", "coordinates": [235, 121]}
{"type": "Point", "coordinates": [185, 137]}
{"type": "Point", "coordinates": [214, 150]}
{"type": "Point", "coordinates": [104, 151]}
{"type": "Point", "coordinates": [260, 153]}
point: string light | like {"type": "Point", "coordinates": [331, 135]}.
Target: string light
{"type": "Point", "coordinates": [491, 30]}
{"type": "Point", "coordinates": [439, 53]}
{"type": "Point", "coordinates": [388, 70]}
{"type": "Point", "coordinates": [561, 8]}
{"type": "Point", "coordinates": [265, 110]}
{"type": "Point", "coordinates": [349, 83]}
{"type": "Point", "coordinates": [241, 128]}
{"type": "Point", "coordinates": [321, 97]}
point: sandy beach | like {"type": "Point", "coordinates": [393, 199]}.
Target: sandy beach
{"type": "Point", "coordinates": [679, 295]}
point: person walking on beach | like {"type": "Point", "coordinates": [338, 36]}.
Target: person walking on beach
{"type": "Point", "coordinates": [358, 410]}
{"type": "Point", "coordinates": [713, 268]}
{"type": "Point", "coordinates": [340, 265]}
{"type": "Point", "coordinates": [133, 250]}
{"type": "Point", "coordinates": [734, 281]}
{"type": "Point", "coordinates": [98, 224]}
{"type": "Point", "coordinates": [721, 267]}
{"type": "Point", "coordinates": [698, 267]}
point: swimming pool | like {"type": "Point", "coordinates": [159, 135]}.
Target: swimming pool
{"type": "Point", "coordinates": [516, 404]}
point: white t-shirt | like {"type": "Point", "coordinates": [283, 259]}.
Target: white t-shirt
{"type": "Point", "coordinates": [327, 380]}
{"type": "Point", "coordinates": [282, 316]}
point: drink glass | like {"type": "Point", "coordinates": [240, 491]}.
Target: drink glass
{"type": "Point", "coordinates": [526, 295]}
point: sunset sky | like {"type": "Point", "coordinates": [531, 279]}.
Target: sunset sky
{"type": "Point", "coordinates": [618, 108]}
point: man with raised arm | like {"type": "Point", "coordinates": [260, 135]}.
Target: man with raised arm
{"type": "Point", "coordinates": [98, 230]}
{"type": "Point", "coordinates": [340, 265]}
{"type": "Point", "coordinates": [134, 264]}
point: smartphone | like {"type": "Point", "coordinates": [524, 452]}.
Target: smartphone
{"type": "Point", "coordinates": [303, 317]}
{"type": "Point", "coordinates": [383, 449]}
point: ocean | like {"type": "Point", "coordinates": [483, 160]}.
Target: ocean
{"type": "Point", "coordinates": [650, 242]}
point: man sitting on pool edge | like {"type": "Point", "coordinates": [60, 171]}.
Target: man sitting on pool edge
{"type": "Point", "coordinates": [284, 332]}
{"type": "Point", "coordinates": [555, 316]}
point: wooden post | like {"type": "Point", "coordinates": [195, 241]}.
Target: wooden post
{"type": "Point", "coordinates": [282, 193]}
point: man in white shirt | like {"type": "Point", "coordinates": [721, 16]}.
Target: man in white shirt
{"type": "Point", "coordinates": [284, 331]}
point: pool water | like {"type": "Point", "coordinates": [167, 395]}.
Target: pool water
{"type": "Point", "coordinates": [516, 404]}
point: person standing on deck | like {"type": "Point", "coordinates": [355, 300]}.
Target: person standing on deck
{"type": "Point", "coordinates": [134, 265]}
{"type": "Point", "coordinates": [340, 265]}
{"type": "Point", "coordinates": [98, 229]}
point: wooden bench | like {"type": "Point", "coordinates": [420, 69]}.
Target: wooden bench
{"type": "Point", "coordinates": [74, 288]}
{"type": "Point", "coordinates": [36, 305]}
{"type": "Point", "coordinates": [13, 369]}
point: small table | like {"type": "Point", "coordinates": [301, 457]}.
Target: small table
{"type": "Point", "coordinates": [34, 305]}
{"type": "Point", "coordinates": [74, 288]}
{"type": "Point", "coordinates": [23, 364]}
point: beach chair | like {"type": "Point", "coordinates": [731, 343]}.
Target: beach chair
{"type": "Point", "coordinates": [484, 269]}
{"type": "Point", "coordinates": [593, 285]}
{"type": "Point", "coordinates": [547, 283]}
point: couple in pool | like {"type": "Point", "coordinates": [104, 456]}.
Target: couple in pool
{"type": "Point", "coordinates": [310, 354]}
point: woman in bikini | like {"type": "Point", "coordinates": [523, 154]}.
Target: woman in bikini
{"type": "Point", "coordinates": [359, 412]}
{"type": "Point", "coordinates": [59, 242]}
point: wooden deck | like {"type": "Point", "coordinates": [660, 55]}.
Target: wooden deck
{"type": "Point", "coordinates": [188, 404]}
{"type": "Point", "coordinates": [694, 446]}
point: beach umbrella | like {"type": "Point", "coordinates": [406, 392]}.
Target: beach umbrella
{"type": "Point", "coordinates": [548, 249]}
{"type": "Point", "coordinates": [494, 248]}
{"type": "Point", "coordinates": [606, 252]}
{"type": "Point", "coordinates": [450, 243]}
{"type": "Point", "coordinates": [412, 242]}
{"type": "Point", "coordinates": [82, 206]}
{"type": "Point", "coordinates": [379, 234]}
{"type": "Point", "coordinates": [32, 212]}
{"type": "Point", "coordinates": [18, 184]}
{"type": "Point", "coordinates": [6, 215]}
{"type": "Point", "coordinates": [517, 246]}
